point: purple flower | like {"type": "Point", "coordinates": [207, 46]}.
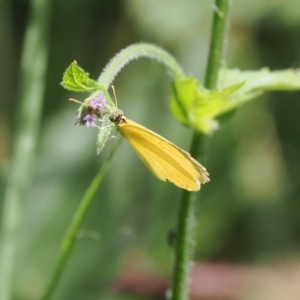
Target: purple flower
{"type": "Point", "coordinates": [91, 120]}
{"type": "Point", "coordinates": [99, 102]}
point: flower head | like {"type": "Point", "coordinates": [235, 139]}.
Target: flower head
{"type": "Point", "coordinates": [90, 120]}
{"type": "Point", "coordinates": [99, 102]}
{"type": "Point", "coordinates": [92, 110]}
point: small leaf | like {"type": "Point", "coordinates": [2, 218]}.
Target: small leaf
{"type": "Point", "coordinates": [198, 107]}
{"type": "Point", "coordinates": [77, 80]}
{"type": "Point", "coordinates": [104, 132]}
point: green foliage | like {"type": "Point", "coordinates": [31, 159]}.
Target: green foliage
{"type": "Point", "coordinates": [77, 80]}
{"type": "Point", "coordinates": [195, 106]}
{"type": "Point", "coordinates": [198, 107]}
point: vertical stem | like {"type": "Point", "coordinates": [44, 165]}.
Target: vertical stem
{"type": "Point", "coordinates": [184, 239]}
{"type": "Point", "coordinates": [217, 43]}
{"type": "Point", "coordinates": [70, 237]}
{"type": "Point", "coordinates": [32, 83]}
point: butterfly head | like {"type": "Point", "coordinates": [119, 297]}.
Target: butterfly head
{"type": "Point", "coordinates": [116, 116]}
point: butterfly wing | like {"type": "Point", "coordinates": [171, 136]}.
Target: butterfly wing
{"type": "Point", "coordinates": [163, 158]}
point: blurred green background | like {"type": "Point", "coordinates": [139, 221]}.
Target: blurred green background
{"type": "Point", "coordinates": [248, 213]}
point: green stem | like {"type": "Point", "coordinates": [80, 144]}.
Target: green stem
{"type": "Point", "coordinates": [184, 239]}
{"type": "Point", "coordinates": [70, 237]}
{"type": "Point", "coordinates": [134, 52]}
{"type": "Point", "coordinates": [218, 42]}
{"type": "Point", "coordinates": [32, 86]}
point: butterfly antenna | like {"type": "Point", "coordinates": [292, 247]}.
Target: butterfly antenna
{"type": "Point", "coordinates": [79, 102]}
{"type": "Point", "coordinates": [114, 92]}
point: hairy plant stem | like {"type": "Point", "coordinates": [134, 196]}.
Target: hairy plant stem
{"type": "Point", "coordinates": [185, 223]}
{"type": "Point", "coordinates": [134, 52]}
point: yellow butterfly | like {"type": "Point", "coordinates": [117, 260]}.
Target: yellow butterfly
{"type": "Point", "coordinates": [163, 158]}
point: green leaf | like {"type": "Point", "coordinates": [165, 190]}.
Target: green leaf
{"type": "Point", "coordinates": [77, 80]}
{"type": "Point", "coordinates": [198, 107]}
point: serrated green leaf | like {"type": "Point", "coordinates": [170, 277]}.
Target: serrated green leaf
{"type": "Point", "coordinates": [77, 80]}
{"type": "Point", "coordinates": [198, 107]}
